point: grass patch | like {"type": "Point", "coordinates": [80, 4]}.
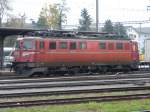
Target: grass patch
{"type": "Point", "coordinates": [120, 106]}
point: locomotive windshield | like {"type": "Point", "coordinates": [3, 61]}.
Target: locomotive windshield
{"type": "Point", "coordinates": [17, 46]}
{"type": "Point", "coordinates": [25, 44]}
{"type": "Point", "coordinates": [28, 44]}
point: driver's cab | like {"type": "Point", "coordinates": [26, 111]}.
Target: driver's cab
{"type": "Point", "coordinates": [24, 49]}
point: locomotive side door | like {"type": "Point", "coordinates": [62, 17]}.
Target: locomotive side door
{"type": "Point", "coordinates": [38, 50]}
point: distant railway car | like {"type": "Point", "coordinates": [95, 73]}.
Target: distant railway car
{"type": "Point", "coordinates": [145, 58]}
{"type": "Point", "coordinates": [36, 55]}
{"type": "Point", "coordinates": [147, 50]}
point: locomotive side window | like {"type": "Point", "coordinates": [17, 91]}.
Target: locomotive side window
{"type": "Point", "coordinates": [82, 45]}
{"type": "Point", "coordinates": [73, 45]}
{"type": "Point", "coordinates": [63, 45]}
{"type": "Point", "coordinates": [111, 46]}
{"type": "Point", "coordinates": [119, 46]}
{"type": "Point", "coordinates": [102, 45]}
{"type": "Point", "coordinates": [36, 44]}
{"type": "Point", "coordinates": [41, 44]}
{"type": "Point", "coordinates": [52, 45]}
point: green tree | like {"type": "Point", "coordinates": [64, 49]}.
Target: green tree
{"type": "Point", "coordinates": [85, 21]}
{"type": "Point", "coordinates": [42, 21]}
{"type": "Point", "coordinates": [108, 27]}
{"type": "Point", "coordinates": [119, 29]}
{"type": "Point", "coordinates": [4, 7]}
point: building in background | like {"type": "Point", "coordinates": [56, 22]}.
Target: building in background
{"type": "Point", "coordinates": [139, 35]}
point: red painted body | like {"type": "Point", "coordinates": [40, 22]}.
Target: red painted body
{"type": "Point", "coordinates": [92, 54]}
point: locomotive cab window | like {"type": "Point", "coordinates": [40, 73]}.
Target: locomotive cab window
{"type": "Point", "coordinates": [28, 44]}
{"type": "Point", "coordinates": [102, 45]}
{"type": "Point", "coordinates": [63, 45]}
{"type": "Point", "coordinates": [73, 45]}
{"type": "Point", "coordinates": [82, 45]}
{"type": "Point", "coordinates": [119, 46]}
{"type": "Point", "coordinates": [52, 45]}
{"type": "Point", "coordinates": [17, 45]}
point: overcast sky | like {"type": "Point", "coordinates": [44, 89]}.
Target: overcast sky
{"type": "Point", "coordinates": [115, 10]}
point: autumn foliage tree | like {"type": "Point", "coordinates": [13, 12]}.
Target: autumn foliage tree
{"type": "Point", "coordinates": [48, 17]}
{"type": "Point", "coordinates": [52, 16]}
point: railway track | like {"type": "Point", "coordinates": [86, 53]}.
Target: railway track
{"type": "Point", "coordinates": [74, 91]}
{"type": "Point", "coordinates": [69, 83]}
{"type": "Point", "coordinates": [11, 75]}
{"type": "Point", "coordinates": [73, 100]}
{"type": "Point", "coordinates": [75, 78]}
{"type": "Point", "coordinates": [72, 85]}
{"type": "Point", "coordinates": [48, 84]}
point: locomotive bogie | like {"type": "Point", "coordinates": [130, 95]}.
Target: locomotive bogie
{"type": "Point", "coordinates": [70, 69]}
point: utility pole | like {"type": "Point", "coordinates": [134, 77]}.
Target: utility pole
{"type": "Point", "coordinates": [97, 15]}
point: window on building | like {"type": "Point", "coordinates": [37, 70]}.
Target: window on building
{"type": "Point", "coordinates": [73, 45]}
{"type": "Point", "coordinates": [102, 45]}
{"type": "Point", "coordinates": [82, 45]}
{"type": "Point", "coordinates": [63, 45]}
{"type": "Point", "coordinates": [134, 36]}
{"type": "Point", "coordinates": [119, 46]}
{"type": "Point", "coordinates": [52, 45]}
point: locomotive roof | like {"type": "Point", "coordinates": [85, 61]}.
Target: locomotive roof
{"type": "Point", "coordinates": [75, 35]}
{"type": "Point", "coordinates": [74, 39]}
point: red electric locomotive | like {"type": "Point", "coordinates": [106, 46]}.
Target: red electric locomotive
{"type": "Point", "coordinates": [41, 55]}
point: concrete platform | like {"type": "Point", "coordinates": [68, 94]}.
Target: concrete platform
{"type": "Point", "coordinates": [6, 72]}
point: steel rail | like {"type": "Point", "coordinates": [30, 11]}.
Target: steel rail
{"type": "Point", "coordinates": [15, 76]}
{"type": "Point", "coordinates": [73, 100]}
{"type": "Point", "coordinates": [137, 81]}
{"type": "Point", "coordinates": [74, 78]}
{"type": "Point", "coordinates": [69, 92]}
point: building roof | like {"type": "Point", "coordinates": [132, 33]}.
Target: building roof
{"type": "Point", "coordinates": [14, 31]}
{"type": "Point", "coordinates": [145, 30]}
